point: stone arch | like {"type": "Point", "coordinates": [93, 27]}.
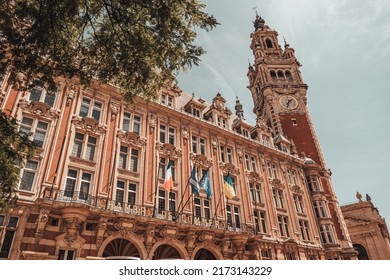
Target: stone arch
{"type": "Point", "coordinates": [166, 250]}
{"type": "Point", "coordinates": [130, 238]}
{"type": "Point", "coordinates": [362, 252]}
{"type": "Point", "coordinates": [214, 250]}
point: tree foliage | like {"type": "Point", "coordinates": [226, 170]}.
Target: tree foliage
{"type": "Point", "coordinates": [15, 147]}
{"type": "Point", "coordinates": [134, 44]}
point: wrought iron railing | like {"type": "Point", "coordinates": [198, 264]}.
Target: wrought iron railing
{"type": "Point", "coordinates": [142, 210]}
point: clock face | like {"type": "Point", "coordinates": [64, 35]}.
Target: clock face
{"type": "Point", "coordinates": [288, 102]}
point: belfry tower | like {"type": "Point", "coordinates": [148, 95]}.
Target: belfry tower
{"type": "Point", "coordinates": [279, 96]}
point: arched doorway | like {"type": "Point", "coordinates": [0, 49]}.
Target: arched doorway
{"type": "Point", "coordinates": [204, 254]}
{"type": "Point", "coordinates": [119, 249]}
{"type": "Point", "coordinates": [362, 253]}
{"type": "Point", "coordinates": [166, 251]}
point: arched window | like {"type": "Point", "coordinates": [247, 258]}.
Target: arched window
{"type": "Point", "coordinates": [280, 74]}
{"type": "Point", "coordinates": [268, 43]}
{"type": "Point", "coordinates": [273, 74]}
{"type": "Point", "coordinates": [288, 75]}
{"type": "Point", "coordinates": [362, 253]}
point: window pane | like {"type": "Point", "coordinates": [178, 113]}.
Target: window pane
{"type": "Point", "coordinates": [49, 99]}
{"type": "Point", "coordinates": [2, 218]}
{"type": "Point", "coordinates": [27, 180]}
{"type": "Point", "coordinates": [39, 137]}
{"type": "Point", "coordinates": [35, 94]}
{"type": "Point", "coordinates": [90, 152]}
{"type": "Point", "coordinates": [7, 243]}
{"type": "Point", "coordinates": [13, 222]}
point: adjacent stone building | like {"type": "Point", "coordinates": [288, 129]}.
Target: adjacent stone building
{"type": "Point", "coordinates": [368, 230]}
{"type": "Point", "coordinates": [96, 189]}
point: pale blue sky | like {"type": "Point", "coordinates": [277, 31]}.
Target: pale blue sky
{"type": "Point", "coordinates": [344, 47]}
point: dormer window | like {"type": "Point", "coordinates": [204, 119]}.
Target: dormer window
{"type": "Point", "coordinates": [273, 75]}
{"type": "Point", "coordinates": [167, 99]}
{"type": "Point", "coordinates": [268, 43]}
{"type": "Point", "coordinates": [221, 122]}
{"type": "Point", "coordinates": [195, 112]}
{"type": "Point", "coordinates": [41, 95]}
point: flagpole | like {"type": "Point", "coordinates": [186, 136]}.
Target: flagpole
{"type": "Point", "coordinates": [216, 209]}
{"type": "Point", "coordinates": [157, 187]}
{"type": "Point", "coordinates": [182, 197]}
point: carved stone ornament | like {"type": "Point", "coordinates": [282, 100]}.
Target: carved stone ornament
{"type": "Point", "coordinates": [297, 189]}
{"type": "Point", "coordinates": [254, 176]}
{"type": "Point", "coordinates": [167, 149]}
{"type": "Point", "coordinates": [114, 108]}
{"type": "Point", "coordinates": [185, 133]}
{"type": "Point", "coordinates": [286, 90]}
{"type": "Point", "coordinates": [131, 137]}
{"type": "Point", "coordinates": [225, 244]}
{"type": "Point", "coordinates": [149, 238]}
{"type": "Point", "coordinates": [71, 91]}
{"type": "Point", "coordinates": [125, 226]}
{"type": "Point", "coordinates": [39, 109]}
{"type": "Point", "coordinates": [201, 160]}
{"type": "Point", "coordinates": [214, 144]}
{"type": "Point", "coordinates": [169, 232]}
{"type": "Point", "coordinates": [100, 232]}
{"type": "Point", "coordinates": [277, 183]}
{"type": "Point", "coordinates": [88, 124]}
{"type": "Point", "coordinates": [228, 167]}
{"type": "Point", "coordinates": [207, 236]}
{"type": "Point", "coordinates": [152, 121]}
{"type": "Point", "coordinates": [190, 241]}
{"type": "Point", "coordinates": [72, 228]}
{"type": "Point", "coordinates": [41, 225]}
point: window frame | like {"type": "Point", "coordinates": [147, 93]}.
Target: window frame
{"type": "Point", "coordinates": [7, 227]}
{"type": "Point", "coordinates": [133, 121]}
{"type": "Point", "coordinates": [77, 186]}
{"type": "Point", "coordinates": [91, 108]}
{"type": "Point", "coordinates": [44, 96]}
{"type": "Point", "coordinates": [29, 170]}
{"type": "Point", "coordinates": [33, 128]}
{"type": "Point", "coordinates": [81, 148]}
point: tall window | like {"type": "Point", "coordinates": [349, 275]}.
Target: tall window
{"type": "Point", "coordinates": [278, 198]}
{"type": "Point", "coordinates": [166, 201]}
{"type": "Point", "coordinates": [283, 225]}
{"type": "Point", "coordinates": [163, 167]}
{"type": "Point", "coordinates": [90, 108]}
{"type": "Point", "coordinates": [298, 203]}
{"type": "Point", "coordinates": [28, 177]}
{"type": "Point", "coordinates": [8, 226]}
{"type": "Point", "coordinates": [250, 163]}
{"type": "Point", "coordinates": [202, 210]}
{"type": "Point", "coordinates": [78, 184]}
{"type": "Point", "coordinates": [268, 43]}
{"type": "Point", "coordinates": [292, 177]}
{"type": "Point", "coordinates": [326, 234]}
{"type": "Point", "coordinates": [226, 154]}
{"type": "Point", "coordinates": [312, 183]}
{"type": "Point", "coordinates": [84, 146]}
{"type": "Point", "coordinates": [167, 134]}
{"type": "Point", "coordinates": [126, 153]}
{"type": "Point", "coordinates": [125, 192]}
{"type": "Point", "coordinates": [304, 228]}
{"type": "Point", "coordinates": [233, 216]}
{"type": "Point", "coordinates": [131, 122]}
{"type": "Point", "coordinates": [255, 191]}
{"type": "Point", "coordinates": [260, 221]}
{"type": "Point", "coordinates": [41, 95]}
{"type": "Point", "coordinates": [319, 209]}
{"type": "Point", "coordinates": [272, 170]}
{"type": "Point", "coordinates": [198, 145]}
{"type": "Point", "coordinates": [37, 128]}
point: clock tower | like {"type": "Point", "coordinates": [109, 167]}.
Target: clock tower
{"type": "Point", "coordinates": [279, 96]}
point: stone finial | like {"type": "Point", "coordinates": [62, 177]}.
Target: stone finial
{"type": "Point", "coordinates": [359, 196]}
{"type": "Point", "coordinates": [368, 198]}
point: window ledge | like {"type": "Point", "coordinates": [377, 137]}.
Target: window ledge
{"type": "Point", "coordinates": [82, 161]}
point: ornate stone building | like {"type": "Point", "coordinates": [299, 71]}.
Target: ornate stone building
{"type": "Point", "coordinates": [368, 230]}
{"type": "Point", "coordinates": [96, 188]}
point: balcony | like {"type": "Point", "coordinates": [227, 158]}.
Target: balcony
{"type": "Point", "coordinates": [142, 211]}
